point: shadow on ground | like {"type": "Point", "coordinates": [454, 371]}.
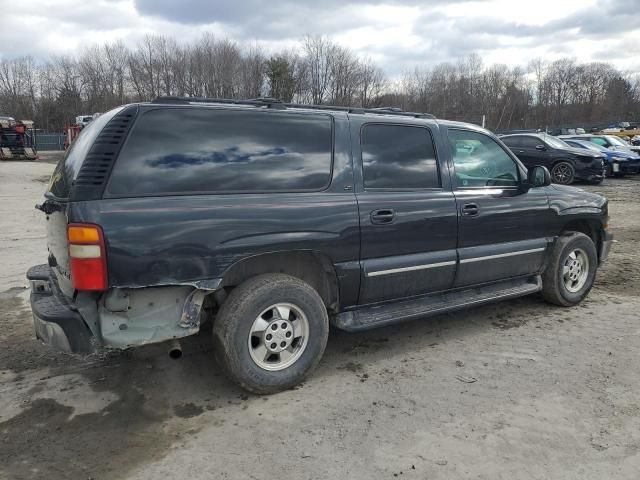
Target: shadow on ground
{"type": "Point", "coordinates": [159, 401]}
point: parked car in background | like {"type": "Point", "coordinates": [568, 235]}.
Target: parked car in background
{"type": "Point", "coordinates": [608, 141]}
{"type": "Point", "coordinates": [272, 220]}
{"type": "Point", "coordinates": [619, 162]}
{"type": "Point", "coordinates": [565, 163]}
{"type": "Point", "coordinates": [84, 120]}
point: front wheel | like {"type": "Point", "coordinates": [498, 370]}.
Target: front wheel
{"type": "Point", "coordinates": [571, 270]}
{"type": "Point", "coordinates": [270, 333]}
{"type": "Point", "coordinates": [563, 173]}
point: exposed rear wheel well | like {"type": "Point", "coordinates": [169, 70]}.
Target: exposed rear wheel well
{"type": "Point", "coordinates": [311, 267]}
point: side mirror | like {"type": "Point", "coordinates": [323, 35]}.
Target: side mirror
{"type": "Point", "coordinates": [541, 147]}
{"type": "Point", "coordinates": [538, 176]}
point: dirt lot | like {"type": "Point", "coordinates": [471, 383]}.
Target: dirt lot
{"type": "Point", "coordinates": [555, 392]}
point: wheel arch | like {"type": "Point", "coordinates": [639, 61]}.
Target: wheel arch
{"type": "Point", "coordinates": [312, 267]}
{"type": "Point", "coordinates": [591, 227]}
{"type": "Point", "coordinates": [564, 160]}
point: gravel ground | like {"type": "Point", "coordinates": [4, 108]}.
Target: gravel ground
{"type": "Point", "coordinates": [517, 390]}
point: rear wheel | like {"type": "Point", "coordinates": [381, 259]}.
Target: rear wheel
{"type": "Point", "coordinates": [571, 270]}
{"type": "Point", "coordinates": [563, 173]}
{"type": "Point", "coordinates": [270, 333]}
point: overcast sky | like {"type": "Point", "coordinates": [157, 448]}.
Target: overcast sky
{"type": "Point", "coordinates": [398, 34]}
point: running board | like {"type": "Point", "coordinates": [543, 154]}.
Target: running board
{"type": "Point", "coordinates": [375, 316]}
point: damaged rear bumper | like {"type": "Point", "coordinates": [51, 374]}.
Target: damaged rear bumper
{"type": "Point", "coordinates": [118, 318]}
{"type": "Point", "coordinates": [55, 320]}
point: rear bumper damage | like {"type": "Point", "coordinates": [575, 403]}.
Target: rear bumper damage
{"type": "Point", "coordinates": [56, 322]}
{"type": "Point", "coordinates": [119, 318]}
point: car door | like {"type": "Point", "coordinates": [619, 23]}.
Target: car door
{"type": "Point", "coordinates": [503, 231]}
{"type": "Point", "coordinates": [408, 218]}
{"type": "Point", "coordinates": [533, 151]}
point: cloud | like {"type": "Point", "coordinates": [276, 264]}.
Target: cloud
{"type": "Point", "coordinates": [398, 34]}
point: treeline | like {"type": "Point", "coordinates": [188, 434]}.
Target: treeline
{"type": "Point", "coordinates": [318, 71]}
{"type": "Point", "coordinates": [542, 94]}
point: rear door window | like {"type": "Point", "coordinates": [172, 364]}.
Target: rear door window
{"type": "Point", "coordinates": [206, 150]}
{"type": "Point", "coordinates": [512, 142]}
{"type": "Point", "coordinates": [398, 157]}
{"type": "Point", "coordinates": [531, 142]}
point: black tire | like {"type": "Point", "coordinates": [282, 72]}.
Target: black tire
{"type": "Point", "coordinates": [563, 173]}
{"type": "Point", "coordinates": [554, 288]}
{"type": "Point", "coordinates": [233, 324]}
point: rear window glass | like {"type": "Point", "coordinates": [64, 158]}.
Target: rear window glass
{"type": "Point", "coordinates": [205, 150]}
{"type": "Point", "coordinates": [398, 157]}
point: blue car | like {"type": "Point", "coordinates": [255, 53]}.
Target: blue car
{"type": "Point", "coordinates": [619, 162]}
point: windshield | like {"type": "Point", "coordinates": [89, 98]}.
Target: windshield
{"type": "Point", "coordinates": [587, 145]}
{"type": "Point", "coordinates": [594, 146]}
{"type": "Point", "coordinates": [555, 142]}
{"type": "Point", "coordinates": [616, 141]}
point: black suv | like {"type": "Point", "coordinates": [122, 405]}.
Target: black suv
{"type": "Point", "coordinates": [274, 220]}
{"type": "Point", "coordinates": [565, 162]}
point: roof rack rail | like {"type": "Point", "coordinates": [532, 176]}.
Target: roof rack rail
{"type": "Point", "coordinates": [388, 109]}
{"type": "Point", "coordinates": [279, 105]}
{"type": "Point", "coordinates": [268, 102]}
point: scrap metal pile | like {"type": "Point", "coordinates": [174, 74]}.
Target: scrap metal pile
{"type": "Point", "coordinates": [17, 139]}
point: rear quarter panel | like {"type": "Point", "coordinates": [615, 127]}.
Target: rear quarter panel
{"type": "Point", "coordinates": [186, 239]}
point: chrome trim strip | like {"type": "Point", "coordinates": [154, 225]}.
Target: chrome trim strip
{"type": "Point", "coordinates": [502, 255]}
{"type": "Point", "coordinates": [410, 269]}
{"type": "Point", "coordinates": [453, 262]}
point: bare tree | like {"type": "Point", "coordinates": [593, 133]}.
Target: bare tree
{"type": "Point", "coordinates": [319, 53]}
{"type": "Point", "coordinates": [100, 77]}
{"type": "Point", "coordinates": [372, 83]}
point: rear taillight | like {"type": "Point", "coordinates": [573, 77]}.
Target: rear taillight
{"type": "Point", "coordinates": [87, 257]}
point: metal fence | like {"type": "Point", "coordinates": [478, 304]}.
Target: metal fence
{"type": "Point", "coordinates": [49, 141]}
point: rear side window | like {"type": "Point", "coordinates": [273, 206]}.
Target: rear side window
{"type": "Point", "coordinates": [512, 141]}
{"type": "Point", "coordinates": [68, 167]}
{"type": "Point", "coordinates": [531, 142]}
{"type": "Point", "coordinates": [398, 157]}
{"type": "Point", "coordinates": [205, 150]}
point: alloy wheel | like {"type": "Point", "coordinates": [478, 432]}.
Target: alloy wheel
{"type": "Point", "coordinates": [562, 173]}
{"type": "Point", "coordinates": [575, 270]}
{"type": "Point", "coordinates": [278, 336]}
